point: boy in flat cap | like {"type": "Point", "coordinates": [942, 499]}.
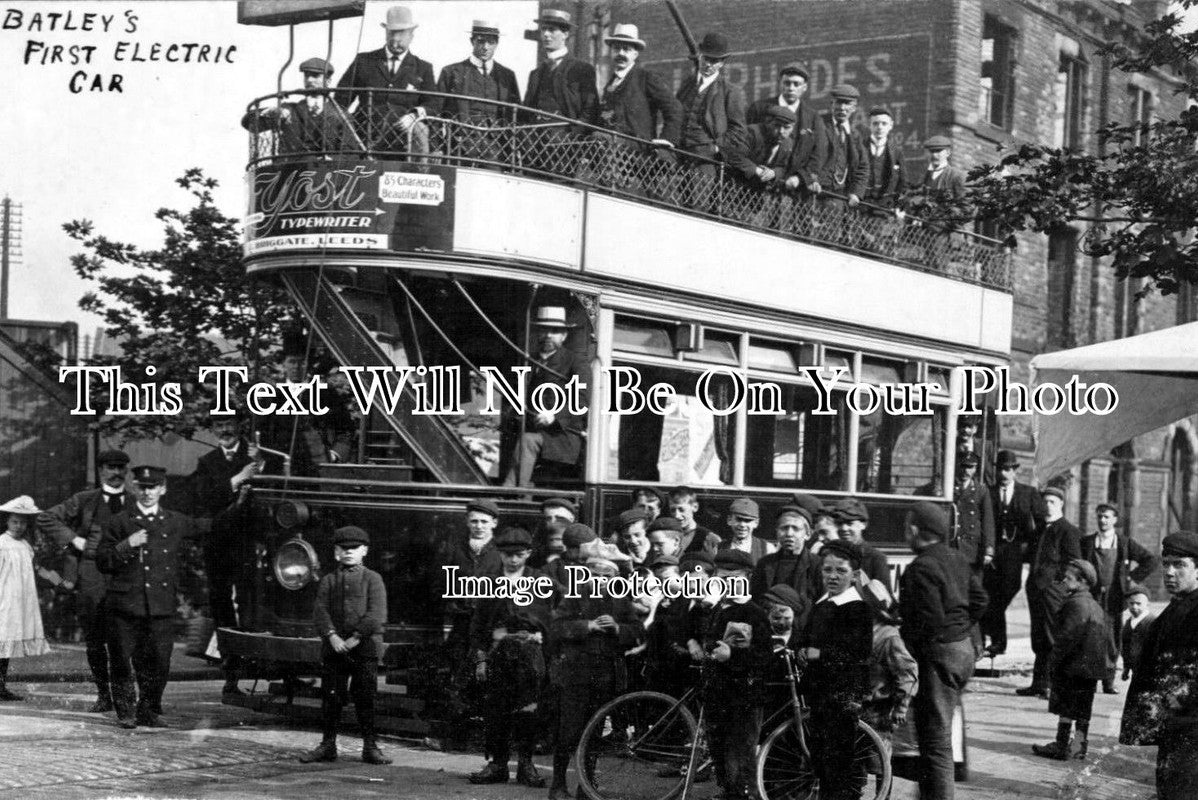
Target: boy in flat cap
{"type": "Point", "coordinates": [1162, 701]}
{"type": "Point", "coordinates": [738, 650]}
{"type": "Point", "coordinates": [632, 537]}
{"type": "Point", "coordinates": [793, 564]}
{"type": "Point", "coordinates": [1139, 618]}
{"type": "Point", "coordinates": [507, 642]}
{"type": "Point", "coordinates": [77, 524]}
{"type": "Point", "coordinates": [852, 519]}
{"type": "Point", "coordinates": [743, 518]}
{"type": "Point", "coordinates": [838, 642]}
{"type": "Point", "coordinates": [591, 634]}
{"type": "Point", "coordinates": [665, 537]}
{"type": "Point", "coordinates": [683, 506]}
{"type": "Point", "coordinates": [349, 614]}
{"type": "Point", "coordinates": [1080, 659]}
{"type": "Point", "coordinates": [312, 124]}
{"type": "Point", "coordinates": [887, 175]}
{"type": "Point", "coordinates": [809, 140]}
{"type": "Point", "coordinates": [1059, 543]}
{"type": "Point", "coordinates": [762, 163]}
{"type": "Point", "coordinates": [139, 551]}
{"type": "Point", "coordinates": [649, 501]}
{"type": "Point", "coordinates": [940, 601]}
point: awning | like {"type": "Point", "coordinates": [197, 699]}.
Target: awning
{"type": "Point", "coordinates": [1155, 375]}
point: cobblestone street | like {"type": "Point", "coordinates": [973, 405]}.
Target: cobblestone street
{"type": "Point", "coordinates": [51, 748]}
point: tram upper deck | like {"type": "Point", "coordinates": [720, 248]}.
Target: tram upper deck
{"type": "Point", "coordinates": [503, 188]}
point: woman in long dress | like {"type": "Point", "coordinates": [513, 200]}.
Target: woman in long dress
{"type": "Point", "coordinates": [21, 632]}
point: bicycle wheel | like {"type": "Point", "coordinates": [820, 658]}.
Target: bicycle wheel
{"type": "Point", "coordinates": [784, 772]}
{"type": "Point", "coordinates": [636, 748]}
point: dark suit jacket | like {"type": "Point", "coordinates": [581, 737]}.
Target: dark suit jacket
{"type": "Point", "coordinates": [1127, 550]}
{"type": "Point", "coordinates": [304, 130]}
{"type": "Point", "coordinates": [856, 159]}
{"type": "Point", "coordinates": [586, 657]}
{"type": "Point", "coordinates": [214, 493]}
{"type": "Point", "coordinates": [493, 613]}
{"type": "Point", "coordinates": [723, 111]}
{"type": "Point", "coordinates": [1019, 521]}
{"type": "Point", "coordinates": [1059, 542]}
{"type": "Point", "coordinates": [370, 71]}
{"type": "Point", "coordinates": [641, 105]}
{"type": "Point", "coordinates": [464, 79]}
{"type": "Point", "coordinates": [1081, 639]}
{"type": "Point", "coordinates": [563, 437]}
{"type": "Point", "coordinates": [143, 578]}
{"type": "Point", "coordinates": [809, 142]}
{"type": "Point", "coordinates": [573, 87]}
{"type": "Point", "coordinates": [755, 151]}
{"type": "Point", "coordinates": [804, 578]}
{"type": "Point", "coordinates": [945, 193]}
{"type": "Point", "coordinates": [891, 179]}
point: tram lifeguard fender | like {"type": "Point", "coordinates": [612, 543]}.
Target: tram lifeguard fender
{"type": "Point", "coordinates": [292, 649]}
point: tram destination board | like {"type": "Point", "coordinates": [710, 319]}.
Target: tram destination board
{"type": "Point", "coordinates": [350, 205]}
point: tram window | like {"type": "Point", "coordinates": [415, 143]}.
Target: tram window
{"type": "Point", "coordinates": [941, 376]}
{"type": "Point", "coordinates": [718, 348]}
{"type": "Point", "coordinates": [634, 336]}
{"type": "Point", "coordinates": [876, 370]}
{"type": "Point", "coordinates": [772, 356]}
{"type": "Point", "coordinates": [901, 454]}
{"type": "Point", "coordinates": [690, 445]}
{"type": "Point", "coordinates": [838, 358]}
{"type": "Point", "coordinates": [798, 447]}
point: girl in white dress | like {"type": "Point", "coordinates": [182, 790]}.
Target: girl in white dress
{"type": "Point", "coordinates": [21, 631]}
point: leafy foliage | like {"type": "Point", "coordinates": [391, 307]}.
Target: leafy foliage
{"type": "Point", "coordinates": [1138, 191]}
{"type": "Point", "coordinates": [185, 305]}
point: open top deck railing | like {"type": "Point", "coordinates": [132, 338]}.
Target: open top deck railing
{"type": "Point", "coordinates": [489, 134]}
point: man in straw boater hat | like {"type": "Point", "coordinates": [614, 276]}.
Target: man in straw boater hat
{"type": "Point", "coordinates": [391, 119]}
{"type": "Point", "coordinates": [478, 78]}
{"type": "Point", "coordinates": [549, 438]}
{"type": "Point", "coordinates": [79, 522]}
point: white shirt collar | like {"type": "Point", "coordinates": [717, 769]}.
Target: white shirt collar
{"type": "Point", "coordinates": [705, 82]}
{"type": "Point", "coordinates": [622, 74]}
{"type": "Point", "coordinates": [148, 512]}
{"type": "Point", "coordinates": [479, 64]}
{"type": "Point", "coordinates": [792, 106]}
{"type": "Point", "coordinates": [847, 596]}
{"type": "Point", "coordinates": [111, 492]}
{"type": "Point", "coordinates": [401, 57]}
{"type": "Point", "coordinates": [557, 55]}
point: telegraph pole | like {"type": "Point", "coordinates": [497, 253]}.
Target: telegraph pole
{"type": "Point", "coordinates": [10, 246]}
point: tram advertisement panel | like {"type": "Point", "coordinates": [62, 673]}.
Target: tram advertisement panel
{"type": "Point", "coordinates": [349, 205]}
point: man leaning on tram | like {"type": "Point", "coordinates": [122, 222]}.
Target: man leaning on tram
{"type": "Point", "coordinates": [312, 124]}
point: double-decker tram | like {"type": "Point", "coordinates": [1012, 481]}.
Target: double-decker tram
{"type": "Point", "coordinates": [784, 328]}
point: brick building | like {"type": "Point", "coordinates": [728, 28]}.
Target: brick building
{"type": "Point", "coordinates": [986, 73]}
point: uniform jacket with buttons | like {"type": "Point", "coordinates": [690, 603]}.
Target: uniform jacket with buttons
{"type": "Point", "coordinates": [143, 580]}
{"type": "Point", "coordinates": [975, 523]}
{"type": "Point", "coordinates": [352, 602]}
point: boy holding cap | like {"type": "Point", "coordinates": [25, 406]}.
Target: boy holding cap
{"type": "Point", "coordinates": [1080, 659]}
{"type": "Point", "coordinates": [349, 614]}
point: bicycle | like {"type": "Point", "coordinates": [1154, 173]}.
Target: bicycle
{"type": "Point", "coordinates": [785, 768]}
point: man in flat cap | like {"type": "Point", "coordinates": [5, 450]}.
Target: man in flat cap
{"type": "Point", "coordinates": [552, 440]}
{"type": "Point", "coordinates": [139, 551]}
{"type": "Point", "coordinates": [1112, 555]}
{"type": "Point", "coordinates": [312, 124]}
{"type": "Point", "coordinates": [713, 122]}
{"type": "Point", "coordinates": [1162, 701]}
{"type": "Point", "coordinates": [1018, 515]}
{"type": "Point", "coordinates": [349, 614]}
{"type": "Point", "coordinates": [942, 184]}
{"type": "Point", "coordinates": [507, 643]}
{"type": "Point", "coordinates": [392, 120]}
{"type": "Point", "coordinates": [635, 102]}
{"type": "Point", "coordinates": [846, 167]}
{"type": "Point", "coordinates": [762, 162]}
{"type": "Point", "coordinates": [559, 508]}
{"type": "Point", "coordinates": [77, 524]}
{"type": "Point", "coordinates": [940, 602]}
{"type": "Point", "coordinates": [1059, 543]}
{"type": "Point", "coordinates": [809, 142]}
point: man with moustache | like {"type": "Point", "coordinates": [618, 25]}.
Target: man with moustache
{"type": "Point", "coordinates": [636, 102]}
{"type": "Point", "coordinates": [846, 168]}
{"type": "Point", "coordinates": [392, 120]}
{"type": "Point", "coordinates": [78, 523]}
{"type": "Point", "coordinates": [551, 438]}
{"type": "Point", "coordinates": [221, 480]}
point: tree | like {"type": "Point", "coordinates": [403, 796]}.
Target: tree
{"type": "Point", "coordinates": [1138, 192]}
{"type": "Point", "coordinates": [174, 309]}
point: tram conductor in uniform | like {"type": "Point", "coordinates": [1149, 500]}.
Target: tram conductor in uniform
{"type": "Point", "coordinates": [139, 550]}
{"type": "Point", "coordinates": [553, 439]}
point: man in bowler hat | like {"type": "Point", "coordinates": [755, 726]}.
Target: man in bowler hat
{"type": "Point", "coordinates": [1018, 514]}
{"type": "Point", "coordinates": [713, 122]}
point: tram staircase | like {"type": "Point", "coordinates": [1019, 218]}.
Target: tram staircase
{"type": "Point", "coordinates": [404, 441]}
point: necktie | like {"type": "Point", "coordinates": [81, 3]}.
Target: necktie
{"type": "Point", "coordinates": [483, 69]}
{"type": "Point", "coordinates": [114, 503]}
{"type": "Point", "coordinates": [394, 64]}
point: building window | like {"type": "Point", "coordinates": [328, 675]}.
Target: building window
{"type": "Point", "coordinates": [998, 73]}
{"type": "Point", "coordinates": [1062, 264]}
{"type": "Point", "coordinates": [1140, 107]}
{"type": "Point", "coordinates": [1070, 102]}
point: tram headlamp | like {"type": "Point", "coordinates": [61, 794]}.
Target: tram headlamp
{"type": "Point", "coordinates": [291, 514]}
{"type": "Point", "coordinates": [296, 564]}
